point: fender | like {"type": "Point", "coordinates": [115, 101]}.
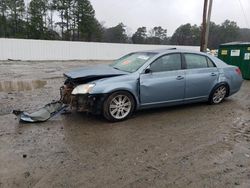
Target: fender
{"type": "Point", "coordinates": [121, 83]}
{"type": "Point", "coordinates": [219, 84]}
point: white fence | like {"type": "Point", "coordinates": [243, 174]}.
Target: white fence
{"type": "Point", "coordinates": [22, 49]}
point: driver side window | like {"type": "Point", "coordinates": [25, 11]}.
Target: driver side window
{"type": "Point", "coordinates": [168, 62]}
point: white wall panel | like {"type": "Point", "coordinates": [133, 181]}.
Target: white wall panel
{"type": "Point", "coordinates": [22, 49]}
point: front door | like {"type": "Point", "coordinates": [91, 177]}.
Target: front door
{"type": "Point", "coordinates": [165, 83]}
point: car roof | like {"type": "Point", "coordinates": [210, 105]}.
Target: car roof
{"type": "Point", "coordinates": [219, 63]}
{"type": "Point", "coordinates": [169, 50]}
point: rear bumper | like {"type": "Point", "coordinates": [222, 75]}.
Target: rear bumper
{"type": "Point", "coordinates": [234, 90]}
{"type": "Point", "coordinates": [236, 85]}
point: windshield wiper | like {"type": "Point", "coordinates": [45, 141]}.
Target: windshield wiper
{"type": "Point", "coordinates": [121, 70]}
{"type": "Point", "coordinates": [116, 68]}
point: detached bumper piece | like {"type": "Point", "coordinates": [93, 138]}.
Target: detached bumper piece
{"type": "Point", "coordinates": [41, 115]}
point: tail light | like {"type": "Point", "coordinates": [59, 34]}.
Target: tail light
{"type": "Point", "coordinates": [238, 71]}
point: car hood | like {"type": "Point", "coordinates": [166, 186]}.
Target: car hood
{"type": "Point", "coordinates": [99, 71]}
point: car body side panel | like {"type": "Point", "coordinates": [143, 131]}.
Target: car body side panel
{"type": "Point", "coordinates": [200, 82]}
{"type": "Point", "coordinates": [162, 87]}
{"type": "Point", "coordinates": [230, 76]}
{"type": "Point", "coordinates": [119, 83]}
{"type": "Point", "coordinates": [218, 62]}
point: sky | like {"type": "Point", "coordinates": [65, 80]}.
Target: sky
{"type": "Point", "coordinates": [169, 14]}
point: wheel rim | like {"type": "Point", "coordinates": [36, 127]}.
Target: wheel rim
{"type": "Point", "coordinates": [120, 106]}
{"type": "Point", "coordinates": [219, 94]}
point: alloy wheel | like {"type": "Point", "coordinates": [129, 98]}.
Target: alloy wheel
{"type": "Point", "coordinates": [120, 106]}
{"type": "Point", "coordinates": [219, 94]}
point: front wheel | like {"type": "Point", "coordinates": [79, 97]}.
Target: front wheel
{"type": "Point", "coordinates": [218, 94]}
{"type": "Point", "coordinates": [118, 106]}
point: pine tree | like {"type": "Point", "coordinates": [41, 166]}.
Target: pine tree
{"type": "Point", "coordinates": [68, 18]}
{"type": "Point", "coordinates": [3, 19]}
{"type": "Point", "coordinates": [116, 34]}
{"type": "Point", "coordinates": [86, 23]}
{"type": "Point", "coordinates": [37, 16]}
{"type": "Point", "coordinates": [140, 36]}
{"type": "Point", "coordinates": [17, 9]}
{"type": "Point", "coordinates": [61, 8]}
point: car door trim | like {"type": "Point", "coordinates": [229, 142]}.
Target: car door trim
{"type": "Point", "coordinates": [162, 102]}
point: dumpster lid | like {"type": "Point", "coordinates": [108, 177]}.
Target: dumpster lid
{"type": "Point", "coordinates": [235, 43]}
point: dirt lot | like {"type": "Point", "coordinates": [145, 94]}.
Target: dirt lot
{"type": "Point", "coordinates": [186, 146]}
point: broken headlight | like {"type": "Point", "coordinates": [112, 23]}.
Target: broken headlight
{"type": "Point", "coordinates": [82, 89]}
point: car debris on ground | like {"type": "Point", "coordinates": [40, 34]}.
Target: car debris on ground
{"type": "Point", "coordinates": [41, 115]}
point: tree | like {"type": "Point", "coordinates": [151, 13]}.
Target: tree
{"type": "Point", "coordinates": [78, 22]}
{"type": "Point", "coordinates": [159, 32]}
{"type": "Point", "coordinates": [214, 39]}
{"type": "Point", "coordinates": [97, 33]}
{"type": "Point", "coordinates": [186, 35]}
{"type": "Point", "coordinates": [229, 31]}
{"type": "Point", "coordinates": [68, 18]}
{"type": "Point", "coordinates": [244, 34]}
{"type": "Point", "coordinates": [116, 34]}
{"type": "Point", "coordinates": [51, 8]}
{"type": "Point", "coordinates": [60, 6]}
{"type": "Point", "coordinates": [158, 35]}
{"type": "Point", "coordinates": [37, 11]}
{"type": "Point", "coordinates": [140, 36]}
{"type": "Point", "coordinates": [17, 9]}
{"type": "Point", "coordinates": [196, 35]}
{"type": "Point", "coordinates": [87, 26]}
{"type": "Point", "coordinates": [3, 19]}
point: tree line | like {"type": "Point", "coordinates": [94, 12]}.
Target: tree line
{"type": "Point", "coordinates": [74, 20]}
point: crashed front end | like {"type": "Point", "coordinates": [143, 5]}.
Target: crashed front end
{"type": "Point", "coordinates": [79, 83]}
{"type": "Point", "coordinates": [76, 94]}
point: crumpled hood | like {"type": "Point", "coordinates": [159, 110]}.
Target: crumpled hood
{"type": "Point", "coordinates": [94, 71]}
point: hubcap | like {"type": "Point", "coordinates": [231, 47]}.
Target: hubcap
{"type": "Point", "coordinates": [219, 94]}
{"type": "Point", "coordinates": [120, 106]}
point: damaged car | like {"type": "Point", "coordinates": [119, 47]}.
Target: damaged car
{"type": "Point", "coordinates": [149, 79]}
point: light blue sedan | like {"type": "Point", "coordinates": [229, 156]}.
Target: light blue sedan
{"type": "Point", "coordinates": [150, 79]}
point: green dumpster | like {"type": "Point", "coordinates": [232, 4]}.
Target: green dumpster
{"type": "Point", "coordinates": [238, 54]}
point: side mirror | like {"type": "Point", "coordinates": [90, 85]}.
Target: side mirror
{"type": "Point", "coordinates": [147, 70]}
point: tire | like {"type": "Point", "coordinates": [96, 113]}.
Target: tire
{"type": "Point", "coordinates": [218, 94]}
{"type": "Point", "coordinates": [118, 106]}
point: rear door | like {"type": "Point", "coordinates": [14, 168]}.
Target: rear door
{"type": "Point", "coordinates": [165, 83]}
{"type": "Point", "coordinates": [201, 76]}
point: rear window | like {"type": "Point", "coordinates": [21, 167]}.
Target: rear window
{"type": "Point", "coordinates": [210, 63]}
{"type": "Point", "coordinates": [195, 61]}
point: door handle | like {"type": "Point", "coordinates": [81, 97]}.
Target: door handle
{"type": "Point", "coordinates": [179, 77]}
{"type": "Point", "coordinates": [213, 74]}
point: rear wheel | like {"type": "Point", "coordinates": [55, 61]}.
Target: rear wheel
{"type": "Point", "coordinates": [118, 106]}
{"type": "Point", "coordinates": [218, 94]}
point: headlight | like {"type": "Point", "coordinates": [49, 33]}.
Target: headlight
{"type": "Point", "coordinates": [82, 89]}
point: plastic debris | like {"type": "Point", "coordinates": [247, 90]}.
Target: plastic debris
{"type": "Point", "coordinates": [41, 115]}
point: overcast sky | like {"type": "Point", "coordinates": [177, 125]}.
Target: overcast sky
{"type": "Point", "coordinates": [169, 14]}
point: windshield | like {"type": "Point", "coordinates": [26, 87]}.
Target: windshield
{"type": "Point", "coordinates": [132, 62]}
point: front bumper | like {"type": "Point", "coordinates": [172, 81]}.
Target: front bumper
{"type": "Point", "coordinates": [92, 103]}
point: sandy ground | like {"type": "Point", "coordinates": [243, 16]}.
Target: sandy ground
{"type": "Point", "coordinates": [195, 145]}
